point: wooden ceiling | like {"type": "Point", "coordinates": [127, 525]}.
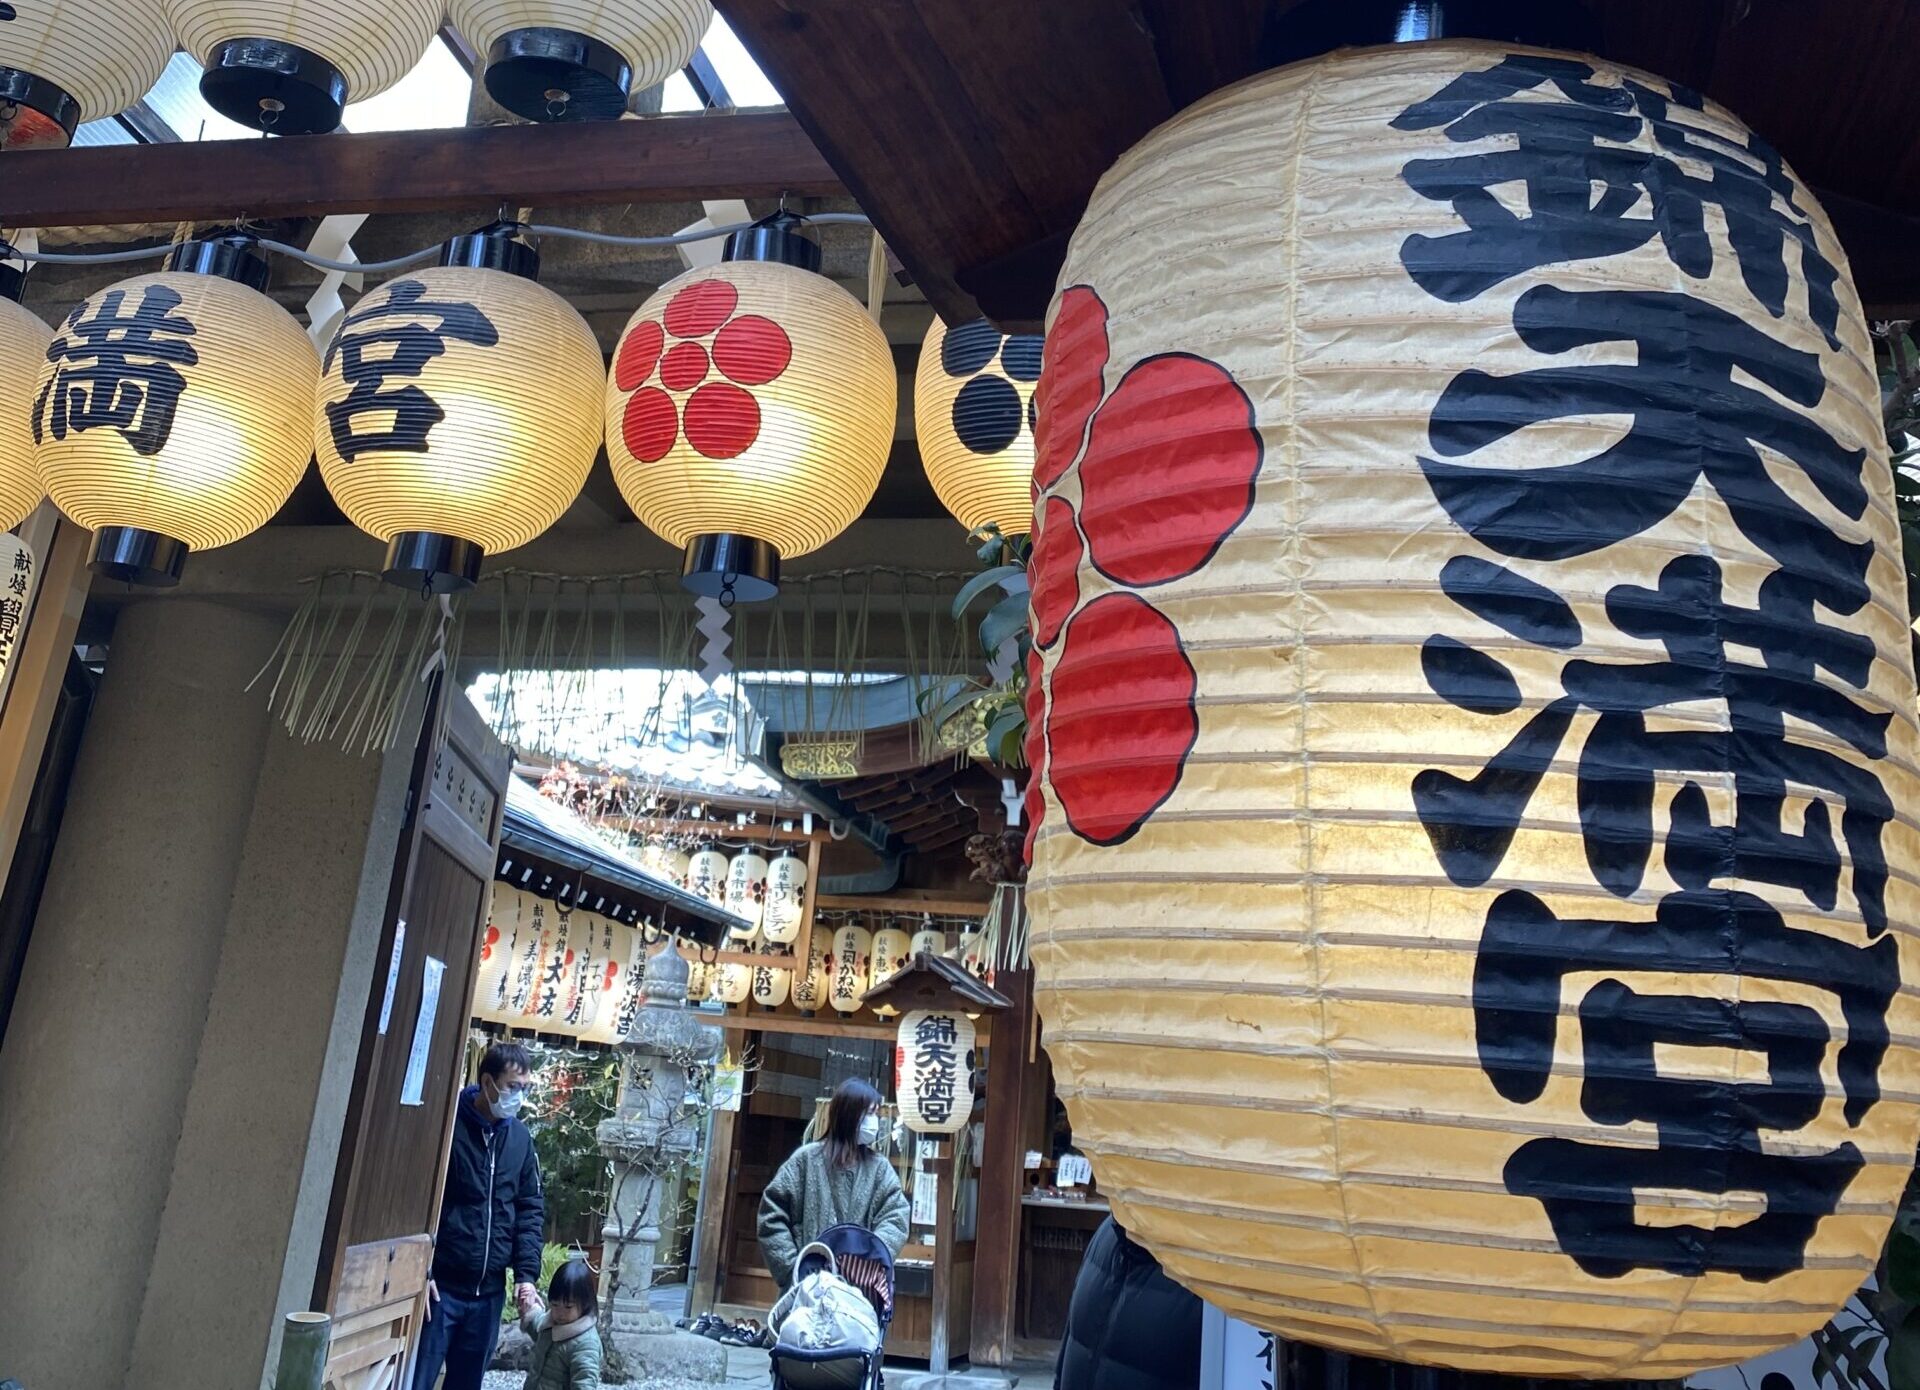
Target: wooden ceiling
{"type": "Point", "coordinates": [973, 131]}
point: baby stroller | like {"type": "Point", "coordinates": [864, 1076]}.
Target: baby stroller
{"type": "Point", "coordinates": [865, 1262]}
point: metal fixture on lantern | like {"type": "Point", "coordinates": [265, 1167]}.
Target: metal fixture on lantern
{"type": "Point", "coordinates": [426, 433]}
{"type": "Point", "coordinates": [292, 68]}
{"type": "Point", "coordinates": [170, 414]}
{"type": "Point", "coordinates": [67, 61]}
{"type": "Point", "coordinates": [576, 60]}
{"type": "Point", "coordinates": [750, 410]}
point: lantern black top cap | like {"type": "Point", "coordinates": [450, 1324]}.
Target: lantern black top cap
{"type": "Point", "coordinates": [232, 255]}
{"type": "Point", "coordinates": [498, 246]}
{"type": "Point", "coordinates": [13, 280]}
{"type": "Point", "coordinates": [780, 237]}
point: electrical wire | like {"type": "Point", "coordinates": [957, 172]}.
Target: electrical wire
{"type": "Point", "coordinates": [8, 251]}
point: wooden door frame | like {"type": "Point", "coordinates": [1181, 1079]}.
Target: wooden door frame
{"type": "Point", "coordinates": [450, 720]}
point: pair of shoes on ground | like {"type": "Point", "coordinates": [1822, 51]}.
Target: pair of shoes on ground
{"type": "Point", "coordinates": [745, 1333]}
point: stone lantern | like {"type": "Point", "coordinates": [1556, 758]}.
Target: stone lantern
{"type": "Point", "coordinates": [649, 1138]}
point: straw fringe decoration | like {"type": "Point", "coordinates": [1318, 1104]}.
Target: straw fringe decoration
{"type": "Point", "coordinates": [348, 658]}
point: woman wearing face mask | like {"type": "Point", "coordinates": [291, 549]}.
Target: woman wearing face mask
{"type": "Point", "coordinates": [839, 1181]}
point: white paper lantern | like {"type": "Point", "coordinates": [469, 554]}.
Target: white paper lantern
{"type": "Point", "coordinates": [23, 348]}
{"type": "Point", "coordinates": [929, 941]}
{"type": "Point", "coordinates": [749, 411]}
{"type": "Point", "coordinates": [1473, 906]}
{"type": "Point", "coordinates": [746, 892]}
{"type": "Point", "coordinates": [772, 982]}
{"type": "Point", "coordinates": [577, 60]}
{"type": "Point", "coordinates": [424, 427]}
{"type": "Point", "coordinates": [626, 963]}
{"type": "Point", "coordinates": [665, 862]}
{"type": "Point", "coordinates": [811, 989]}
{"type": "Point", "coordinates": [891, 947]}
{"type": "Point", "coordinates": [508, 918]}
{"type": "Point", "coordinates": [67, 61]}
{"type": "Point", "coordinates": [169, 413]}
{"type": "Point", "coordinates": [291, 66]}
{"type": "Point", "coordinates": [707, 876]}
{"type": "Point", "coordinates": [732, 984]}
{"type": "Point", "coordinates": [600, 958]}
{"type": "Point", "coordinates": [973, 415]}
{"type": "Point", "coordinates": [554, 987]}
{"type": "Point", "coordinates": [699, 980]}
{"type": "Point", "coordinates": [935, 1059]}
{"type": "Point", "coordinates": [786, 906]}
{"type": "Point", "coordinates": [533, 922]}
{"type": "Point", "coordinates": [847, 971]}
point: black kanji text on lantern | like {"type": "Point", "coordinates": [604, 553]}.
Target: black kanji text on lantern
{"type": "Point", "coordinates": [396, 337]}
{"type": "Point", "coordinates": [117, 368]}
{"type": "Point", "coordinates": [936, 1040]}
{"type": "Point", "coordinates": [1710, 399]}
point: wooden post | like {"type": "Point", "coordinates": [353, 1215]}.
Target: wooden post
{"type": "Point", "coordinates": [716, 1202]}
{"type": "Point", "coordinates": [303, 1351]}
{"type": "Point", "coordinates": [941, 1166]}
{"type": "Point", "coordinates": [40, 663]}
{"type": "Point", "coordinates": [996, 1268]}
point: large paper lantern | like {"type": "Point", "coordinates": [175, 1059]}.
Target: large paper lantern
{"type": "Point", "coordinates": [23, 348]}
{"type": "Point", "coordinates": [577, 60]}
{"type": "Point", "coordinates": [746, 892]}
{"type": "Point", "coordinates": [291, 66]}
{"type": "Point", "coordinates": [786, 905]}
{"type": "Point", "coordinates": [847, 969]}
{"type": "Point", "coordinates": [621, 971]}
{"type": "Point", "coordinates": [67, 61]}
{"type": "Point", "coordinates": [428, 429]}
{"type": "Point", "coordinates": [935, 1060]}
{"type": "Point", "coordinates": [600, 957]}
{"type": "Point", "coordinates": [555, 980]}
{"type": "Point", "coordinates": [749, 413]}
{"type": "Point", "coordinates": [170, 412]}
{"type": "Point", "coordinates": [812, 986]}
{"type": "Point", "coordinates": [973, 413]}
{"type": "Point", "coordinates": [1474, 698]}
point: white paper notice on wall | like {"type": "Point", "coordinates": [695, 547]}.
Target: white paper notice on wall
{"type": "Point", "coordinates": [1033, 1160]}
{"type": "Point", "coordinates": [1235, 1356]}
{"type": "Point", "coordinates": [1074, 1171]}
{"type": "Point", "coordinates": [413, 1089]}
{"type": "Point", "coordinates": [393, 974]}
{"type": "Point", "coordinates": [926, 1199]}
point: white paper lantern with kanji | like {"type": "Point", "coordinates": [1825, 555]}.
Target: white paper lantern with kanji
{"type": "Point", "coordinates": [509, 923]}
{"type": "Point", "coordinates": [67, 61]}
{"type": "Point", "coordinates": [891, 947]}
{"type": "Point", "coordinates": [935, 1058]}
{"type": "Point", "coordinates": [699, 980]}
{"type": "Point", "coordinates": [786, 906]}
{"type": "Point", "coordinates": [812, 988]}
{"type": "Point", "coordinates": [746, 892]}
{"type": "Point", "coordinates": [732, 984]}
{"type": "Point", "coordinates": [169, 414]}
{"type": "Point", "coordinates": [425, 428]}
{"type": "Point", "coordinates": [707, 876]}
{"type": "Point", "coordinates": [929, 941]}
{"type": "Point", "coordinates": [772, 981]}
{"type": "Point", "coordinates": [621, 973]}
{"type": "Point", "coordinates": [1474, 721]}
{"type": "Point", "coordinates": [848, 967]}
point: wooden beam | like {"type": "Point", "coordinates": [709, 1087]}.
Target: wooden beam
{"type": "Point", "coordinates": [586, 163]}
{"type": "Point", "coordinates": [940, 905]}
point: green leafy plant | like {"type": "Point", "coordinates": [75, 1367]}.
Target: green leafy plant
{"type": "Point", "coordinates": [998, 706]}
{"type": "Point", "coordinates": [570, 1094]}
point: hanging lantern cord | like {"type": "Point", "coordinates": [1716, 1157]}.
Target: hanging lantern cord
{"type": "Point", "coordinates": [8, 251]}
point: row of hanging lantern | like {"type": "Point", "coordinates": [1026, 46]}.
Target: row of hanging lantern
{"type": "Point", "coordinates": [549, 970]}
{"type": "Point", "coordinates": [749, 410]}
{"type": "Point", "coordinates": [292, 68]}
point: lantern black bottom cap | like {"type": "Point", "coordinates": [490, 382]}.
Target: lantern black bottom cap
{"type": "Point", "coordinates": [725, 562]}
{"type": "Point", "coordinates": [137, 556]}
{"type": "Point", "coordinates": [37, 107]}
{"type": "Point", "coordinates": [274, 86]}
{"type": "Point", "coordinates": [430, 563]}
{"type": "Point", "coordinates": [558, 75]}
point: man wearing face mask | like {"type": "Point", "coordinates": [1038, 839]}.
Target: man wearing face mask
{"type": "Point", "coordinates": [492, 1216]}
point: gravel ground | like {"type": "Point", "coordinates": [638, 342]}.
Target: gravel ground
{"type": "Point", "coordinates": [512, 1380]}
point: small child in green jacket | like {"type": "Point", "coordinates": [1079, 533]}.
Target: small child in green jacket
{"type": "Point", "coordinates": [566, 1340]}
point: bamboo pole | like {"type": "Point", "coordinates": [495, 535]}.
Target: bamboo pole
{"type": "Point", "coordinates": [303, 1352]}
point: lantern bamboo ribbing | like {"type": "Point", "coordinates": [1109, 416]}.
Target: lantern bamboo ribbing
{"type": "Point", "coordinates": [1449, 948]}
{"type": "Point", "coordinates": [67, 61]}
{"type": "Point", "coordinates": [579, 59]}
{"type": "Point", "coordinates": [23, 351]}
{"type": "Point", "coordinates": [973, 415]}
